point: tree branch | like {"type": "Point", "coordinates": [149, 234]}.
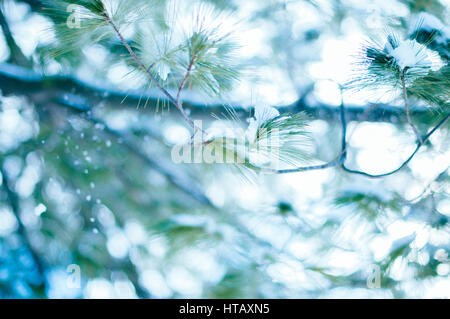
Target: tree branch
{"type": "Point", "coordinates": [340, 160]}
{"type": "Point", "coordinates": [186, 77]}
{"type": "Point", "coordinates": [46, 89]}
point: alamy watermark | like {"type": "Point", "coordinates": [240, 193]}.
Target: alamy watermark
{"type": "Point", "coordinates": [233, 146]}
{"type": "Point", "coordinates": [74, 19]}
{"type": "Point", "coordinates": [73, 280]}
{"type": "Point", "coordinates": [374, 277]}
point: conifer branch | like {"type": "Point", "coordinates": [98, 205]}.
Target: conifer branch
{"type": "Point", "coordinates": [176, 103]}
{"type": "Point", "coordinates": [340, 160]}
{"type": "Point", "coordinates": [16, 80]}
{"type": "Point", "coordinates": [180, 102]}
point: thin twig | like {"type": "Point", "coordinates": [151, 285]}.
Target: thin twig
{"type": "Point", "coordinates": [419, 145]}
{"type": "Point", "coordinates": [180, 89]}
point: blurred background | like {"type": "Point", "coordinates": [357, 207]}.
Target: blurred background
{"type": "Point", "coordinates": [92, 206]}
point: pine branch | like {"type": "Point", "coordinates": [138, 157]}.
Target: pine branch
{"type": "Point", "coordinates": [177, 102]}
{"type": "Point", "coordinates": [340, 160]}
{"type": "Point", "coordinates": [16, 80]}
{"type": "Point", "coordinates": [180, 89]}
{"type": "Point", "coordinates": [189, 189]}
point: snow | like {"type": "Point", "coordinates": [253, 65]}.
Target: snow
{"type": "Point", "coordinates": [40, 209]}
{"type": "Point", "coordinates": [412, 54]}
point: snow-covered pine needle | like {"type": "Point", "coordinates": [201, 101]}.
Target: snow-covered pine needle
{"type": "Point", "coordinates": [405, 66]}
{"type": "Point", "coordinates": [410, 55]}
{"type": "Point", "coordinates": [399, 62]}
{"type": "Point", "coordinates": [381, 66]}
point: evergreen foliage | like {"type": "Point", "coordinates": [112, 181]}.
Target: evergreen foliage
{"type": "Point", "coordinates": [89, 119]}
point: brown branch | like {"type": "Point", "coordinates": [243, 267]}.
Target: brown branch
{"type": "Point", "coordinates": [186, 77]}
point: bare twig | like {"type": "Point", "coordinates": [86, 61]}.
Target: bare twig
{"type": "Point", "coordinates": [340, 160]}
{"type": "Point", "coordinates": [419, 145]}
